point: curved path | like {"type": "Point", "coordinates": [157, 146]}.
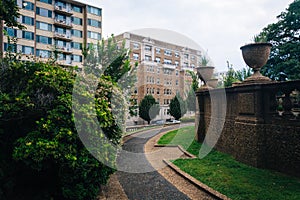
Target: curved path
{"type": "Point", "coordinates": [150, 185]}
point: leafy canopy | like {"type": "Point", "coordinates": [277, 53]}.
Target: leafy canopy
{"type": "Point", "coordinates": [148, 108]}
{"type": "Point", "coordinates": [284, 35]}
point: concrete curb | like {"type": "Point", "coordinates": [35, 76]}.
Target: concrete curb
{"type": "Point", "coordinates": [185, 175]}
{"type": "Point", "coordinates": [195, 182]}
{"type": "Point", "coordinates": [179, 147]}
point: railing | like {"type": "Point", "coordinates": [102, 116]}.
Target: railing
{"type": "Point", "coordinates": [261, 127]}
{"type": "Point", "coordinates": [62, 36]}
{"type": "Point", "coordinates": [64, 9]}
{"type": "Point", "coordinates": [63, 22]}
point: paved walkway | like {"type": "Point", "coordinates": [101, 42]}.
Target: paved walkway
{"type": "Point", "coordinates": [150, 185]}
{"type": "Point", "coordinates": [154, 180]}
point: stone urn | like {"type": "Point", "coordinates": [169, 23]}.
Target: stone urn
{"type": "Point", "coordinates": [205, 73]}
{"type": "Point", "coordinates": [256, 56]}
{"type": "Point", "coordinates": [213, 82]}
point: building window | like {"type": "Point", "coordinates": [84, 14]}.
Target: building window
{"type": "Point", "coordinates": [168, 61]}
{"type": "Point", "coordinates": [157, 91]}
{"type": "Point", "coordinates": [60, 43]}
{"type": "Point", "coordinates": [193, 66]}
{"type": "Point", "coordinates": [177, 82]}
{"type": "Point", "coordinates": [77, 9]}
{"type": "Point", "coordinates": [158, 50]}
{"type": "Point", "coordinates": [61, 56]}
{"type": "Point", "coordinates": [186, 56]}
{"type": "Point", "coordinates": [27, 50]}
{"type": "Point", "coordinates": [43, 53]}
{"type": "Point", "coordinates": [27, 20]}
{"type": "Point", "coordinates": [10, 47]}
{"type": "Point", "coordinates": [43, 39]}
{"type": "Point", "coordinates": [43, 26]}
{"type": "Point", "coordinates": [193, 57]}
{"type": "Point", "coordinates": [147, 58]}
{"type": "Point", "coordinates": [176, 63]}
{"type": "Point", "coordinates": [158, 81]}
{"type": "Point", "coordinates": [28, 5]}
{"type": "Point", "coordinates": [77, 33]}
{"type": "Point", "coordinates": [158, 70]}
{"type": "Point", "coordinates": [43, 12]}
{"type": "Point", "coordinates": [157, 59]}
{"type": "Point", "coordinates": [28, 35]}
{"type": "Point", "coordinates": [176, 54]}
{"type": "Point", "coordinates": [77, 58]}
{"type": "Point", "coordinates": [94, 23]}
{"type": "Point", "coordinates": [136, 46]}
{"type": "Point", "coordinates": [46, 1]}
{"type": "Point", "coordinates": [76, 45]}
{"type": "Point", "coordinates": [177, 72]}
{"type": "Point", "coordinates": [94, 35]}
{"type": "Point", "coordinates": [60, 30]}
{"type": "Point", "coordinates": [135, 56]}
{"type": "Point", "coordinates": [76, 20]}
{"type": "Point", "coordinates": [168, 52]}
{"type": "Point", "coordinates": [93, 10]}
{"type": "Point", "coordinates": [61, 18]}
{"type": "Point", "coordinates": [11, 32]}
{"type": "Point", "coordinates": [148, 48]}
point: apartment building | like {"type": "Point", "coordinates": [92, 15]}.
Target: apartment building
{"type": "Point", "coordinates": [162, 70]}
{"type": "Point", "coordinates": [61, 26]}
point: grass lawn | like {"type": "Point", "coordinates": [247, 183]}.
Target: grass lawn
{"type": "Point", "coordinates": [234, 179]}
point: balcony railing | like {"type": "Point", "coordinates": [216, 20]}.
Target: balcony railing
{"type": "Point", "coordinates": [62, 36]}
{"type": "Point", "coordinates": [63, 9]}
{"type": "Point", "coordinates": [66, 50]}
{"type": "Point", "coordinates": [63, 23]}
{"type": "Point", "coordinates": [169, 66]}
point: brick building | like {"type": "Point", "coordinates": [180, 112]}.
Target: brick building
{"type": "Point", "coordinates": [64, 25]}
{"type": "Point", "coordinates": [162, 70]}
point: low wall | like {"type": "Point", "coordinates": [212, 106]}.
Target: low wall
{"type": "Point", "coordinates": [254, 132]}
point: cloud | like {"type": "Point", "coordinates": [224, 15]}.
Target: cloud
{"type": "Point", "coordinates": [217, 25]}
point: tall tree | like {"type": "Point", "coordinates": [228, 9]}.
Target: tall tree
{"type": "Point", "coordinates": [177, 107]}
{"type": "Point", "coordinates": [284, 36]}
{"type": "Point", "coordinates": [148, 108]}
{"type": "Point", "coordinates": [9, 12]}
{"type": "Point", "coordinates": [191, 100]}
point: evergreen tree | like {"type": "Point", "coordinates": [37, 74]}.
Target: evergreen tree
{"type": "Point", "coordinates": [177, 107]}
{"type": "Point", "coordinates": [148, 108]}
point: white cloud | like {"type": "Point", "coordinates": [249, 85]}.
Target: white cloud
{"type": "Point", "coordinates": [221, 26]}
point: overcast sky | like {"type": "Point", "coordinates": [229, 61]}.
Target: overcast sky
{"type": "Point", "coordinates": [218, 26]}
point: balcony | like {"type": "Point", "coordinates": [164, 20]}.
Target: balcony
{"type": "Point", "coordinates": [169, 66]}
{"type": "Point", "coordinates": [63, 23]}
{"type": "Point", "coordinates": [148, 62]}
{"type": "Point", "coordinates": [62, 36]}
{"type": "Point", "coordinates": [64, 63]}
{"type": "Point", "coordinates": [65, 50]}
{"type": "Point", "coordinates": [63, 10]}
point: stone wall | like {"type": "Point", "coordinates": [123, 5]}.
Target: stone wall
{"type": "Point", "coordinates": [254, 132]}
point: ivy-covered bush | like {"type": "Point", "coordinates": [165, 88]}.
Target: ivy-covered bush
{"type": "Point", "coordinates": [41, 154]}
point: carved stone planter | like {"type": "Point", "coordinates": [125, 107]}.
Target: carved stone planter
{"type": "Point", "coordinates": [213, 83]}
{"type": "Point", "coordinates": [205, 74]}
{"type": "Point", "coordinates": [256, 56]}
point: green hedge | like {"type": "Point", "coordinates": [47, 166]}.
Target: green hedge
{"type": "Point", "coordinates": [41, 155]}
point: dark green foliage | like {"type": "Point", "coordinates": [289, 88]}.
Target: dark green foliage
{"type": "Point", "coordinates": [41, 154]}
{"type": "Point", "coordinates": [148, 108]}
{"type": "Point", "coordinates": [9, 12]}
{"type": "Point", "coordinates": [191, 100]}
{"type": "Point", "coordinates": [236, 75]}
{"type": "Point", "coordinates": [177, 107]}
{"type": "Point", "coordinates": [284, 59]}
{"type": "Point", "coordinates": [195, 82]}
